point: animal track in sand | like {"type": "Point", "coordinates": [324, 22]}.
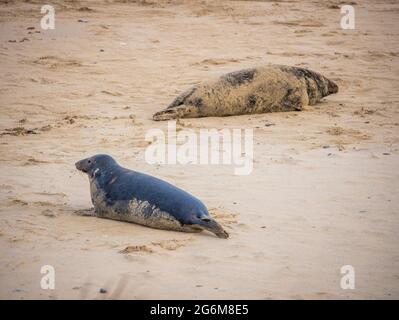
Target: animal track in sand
{"type": "Point", "coordinates": [169, 245]}
{"type": "Point", "coordinates": [112, 93]}
{"type": "Point", "coordinates": [22, 131]}
{"type": "Point", "coordinates": [45, 200]}
{"type": "Point", "coordinates": [362, 112]}
{"type": "Point", "coordinates": [223, 217]}
{"type": "Point", "coordinates": [18, 202]}
{"type": "Point", "coordinates": [300, 22]}
{"type": "Point", "coordinates": [18, 131]}
{"type": "Point", "coordinates": [85, 212]}
{"type": "Point", "coordinates": [142, 248]}
{"type": "Point", "coordinates": [60, 196]}
{"type": "Point", "coordinates": [138, 143]}
{"type": "Point", "coordinates": [339, 131]}
{"type": "Point", "coordinates": [344, 137]}
{"type": "Point", "coordinates": [172, 244]}
{"type": "Point", "coordinates": [33, 161]}
{"type": "Point", "coordinates": [54, 62]}
{"type": "Point", "coordinates": [215, 62]}
{"type": "Point", "coordinates": [44, 204]}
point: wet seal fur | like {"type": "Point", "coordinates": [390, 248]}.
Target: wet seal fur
{"type": "Point", "coordinates": [270, 88]}
{"type": "Point", "coordinates": [126, 195]}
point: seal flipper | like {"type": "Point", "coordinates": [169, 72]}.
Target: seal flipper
{"type": "Point", "coordinates": [176, 109]}
{"type": "Point", "coordinates": [182, 98]}
{"type": "Point", "coordinates": [210, 224]}
{"type": "Point", "coordinates": [317, 85]}
{"type": "Point", "coordinates": [181, 111]}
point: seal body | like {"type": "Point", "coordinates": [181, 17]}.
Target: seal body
{"type": "Point", "coordinates": [265, 89]}
{"type": "Point", "coordinates": [126, 195]}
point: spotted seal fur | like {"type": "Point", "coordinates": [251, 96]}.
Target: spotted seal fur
{"type": "Point", "coordinates": [270, 88]}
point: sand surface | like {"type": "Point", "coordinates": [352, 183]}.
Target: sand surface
{"type": "Point", "coordinates": [323, 192]}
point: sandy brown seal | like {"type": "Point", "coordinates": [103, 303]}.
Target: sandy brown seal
{"type": "Point", "coordinates": [122, 194]}
{"type": "Point", "coordinates": [264, 89]}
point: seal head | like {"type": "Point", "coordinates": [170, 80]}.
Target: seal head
{"type": "Point", "coordinates": [94, 165]}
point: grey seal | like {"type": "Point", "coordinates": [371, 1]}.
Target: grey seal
{"type": "Point", "coordinates": [126, 195]}
{"type": "Point", "coordinates": [264, 89]}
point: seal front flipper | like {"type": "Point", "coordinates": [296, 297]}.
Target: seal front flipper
{"type": "Point", "coordinates": [177, 109]}
{"type": "Point", "coordinates": [181, 111]}
{"type": "Point", "coordinates": [182, 97]}
{"type": "Point", "coordinates": [213, 226]}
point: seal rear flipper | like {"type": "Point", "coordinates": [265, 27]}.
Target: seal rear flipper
{"type": "Point", "coordinates": [317, 85]}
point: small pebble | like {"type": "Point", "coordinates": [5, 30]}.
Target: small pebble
{"type": "Point", "coordinates": [102, 290]}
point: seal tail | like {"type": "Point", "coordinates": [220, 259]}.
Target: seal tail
{"type": "Point", "coordinates": [317, 85]}
{"type": "Point", "coordinates": [213, 226]}
{"type": "Point", "coordinates": [332, 86]}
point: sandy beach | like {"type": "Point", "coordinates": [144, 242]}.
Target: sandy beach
{"type": "Point", "coordinates": [324, 188]}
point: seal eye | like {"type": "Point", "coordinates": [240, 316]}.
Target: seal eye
{"type": "Point", "coordinates": [88, 161]}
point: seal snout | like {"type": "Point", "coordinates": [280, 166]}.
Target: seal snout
{"type": "Point", "coordinates": [80, 165]}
